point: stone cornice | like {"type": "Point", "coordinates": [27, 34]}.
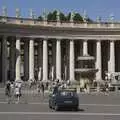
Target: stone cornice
{"type": "Point", "coordinates": [35, 31]}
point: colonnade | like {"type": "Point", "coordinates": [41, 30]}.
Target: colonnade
{"type": "Point", "coordinates": [44, 54]}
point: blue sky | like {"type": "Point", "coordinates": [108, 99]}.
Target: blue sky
{"type": "Point", "coordinates": [94, 8]}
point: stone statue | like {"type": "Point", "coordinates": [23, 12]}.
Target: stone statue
{"type": "Point", "coordinates": [44, 15]}
{"type": "Point", "coordinates": [111, 17]}
{"type": "Point", "coordinates": [85, 16]}
{"type": "Point", "coordinates": [58, 15]}
{"type": "Point", "coordinates": [4, 11]}
{"type": "Point", "coordinates": [72, 16]}
{"type": "Point", "coordinates": [17, 12]}
{"type": "Point", "coordinates": [31, 13]}
{"type": "Point", "coordinates": [98, 19]}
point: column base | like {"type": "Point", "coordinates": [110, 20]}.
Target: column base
{"type": "Point", "coordinates": [18, 80]}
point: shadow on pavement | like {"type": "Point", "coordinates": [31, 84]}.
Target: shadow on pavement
{"type": "Point", "coordinates": [70, 109]}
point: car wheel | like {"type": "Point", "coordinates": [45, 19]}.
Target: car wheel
{"type": "Point", "coordinates": [56, 108]}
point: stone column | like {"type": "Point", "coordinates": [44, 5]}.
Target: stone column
{"type": "Point", "coordinates": [12, 59]}
{"type": "Point", "coordinates": [40, 60]}
{"type": "Point", "coordinates": [53, 69]}
{"type": "Point", "coordinates": [85, 47]}
{"type": "Point", "coordinates": [31, 59]}
{"type": "Point", "coordinates": [98, 61]}
{"type": "Point", "coordinates": [71, 61]}
{"type": "Point", "coordinates": [39, 54]}
{"type": "Point", "coordinates": [26, 59]}
{"type": "Point", "coordinates": [58, 59]}
{"type": "Point", "coordinates": [53, 53]}
{"type": "Point", "coordinates": [4, 59]}
{"type": "Point", "coordinates": [111, 65]}
{"type": "Point", "coordinates": [18, 60]}
{"type": "Point", "coordinates": [45, 61]}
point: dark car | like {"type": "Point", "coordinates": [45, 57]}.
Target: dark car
{"type": "Point", "coordinates": [64, 98]}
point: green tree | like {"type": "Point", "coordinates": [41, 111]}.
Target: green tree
{"type": "Point", "coordinates": [62, 17]}
{"type": "Point", "coordinates": [68, 16]}
{"type": "Point", "coordinates": [52, 16]}
{"type": "Point", "coordinates": [78, 17]}
{"type": "Point", "coordinates": [40, 18]}
{"type": "Point", "coordinates": [49, 16]}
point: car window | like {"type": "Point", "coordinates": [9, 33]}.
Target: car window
{"type": "Point", "coordinates": [66, 93]}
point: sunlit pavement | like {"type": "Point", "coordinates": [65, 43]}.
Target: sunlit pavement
{"type": "Point", "coordinates": [33, 106]}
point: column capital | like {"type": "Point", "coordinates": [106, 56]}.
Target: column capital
{"type": "Point", "coordinates": [58, 39]}
{"type": "Point", "coordinates": [71, 39]}
{"type": "Point", "coordinates": [46, 39]}
{"type": "Point", "coordinates": [98, 41]}
{"type": "Point", "coordinates": [18, 37]}
{"type": "Point", "coordinates": [112, 40]}
{"type": "Point", "coordinates": [31, 38]}
{"type": "Point", "coordinates": [85, 40]}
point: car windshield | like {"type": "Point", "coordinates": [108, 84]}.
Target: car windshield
{"type": "Point", "coordinates": [67, 93]}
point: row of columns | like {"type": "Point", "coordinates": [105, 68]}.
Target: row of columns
{"type": "Point", "coordinates": [111, 66]}
{"type": "Point", "coordinates": [31, 59]}
{"type": "Point", "coordinates": [98, 65]}
{"type": "Point", "coordinates": [111, 63]}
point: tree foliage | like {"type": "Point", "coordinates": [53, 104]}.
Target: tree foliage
{"type": "Point", "coordinates": [78, 17]}
{"type": "Point", "coordinates": [52, 16]}
{"type": "Point", "coordinates": [40, 18]}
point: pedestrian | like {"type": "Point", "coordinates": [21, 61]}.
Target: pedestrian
{"type": "Point", "coordinates": [30, 83]}
{"type": "Point", "coordinates": [38, 87]}
{"type": "Point", "coordinates": [8, 91]}
{"type": "Point", "coordinates": [17, 90]}
{"type": "Point", "coordinates": [42, 89]}
{"type": "Point", "coordinates": [17, 93]}
{"type": "Point", "coordinates": [12, 90]}
{"type": "Point", "coordinates": [55, 90]}
{"type": "Point", "coordinates": [106, 89]}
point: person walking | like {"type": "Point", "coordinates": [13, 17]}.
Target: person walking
{"type": "Point", "coordinates": [42, 89]}
{"type": "Point", "coordinates": [17, 93]}
{"type": "Point", "coordinates": [106, 89]}
{"type": "Point", "coordinates": [38, 87]}
{"type": "Point", "coordinates": [12, 90]}
{"type": "Point", "coordinates": [8, 91]}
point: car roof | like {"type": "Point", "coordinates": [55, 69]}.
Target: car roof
{"type": "Point", "coordinates": [68, 89]}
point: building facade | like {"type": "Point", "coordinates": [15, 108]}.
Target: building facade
{"type": "Point", "coordinates": [44, 50]}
